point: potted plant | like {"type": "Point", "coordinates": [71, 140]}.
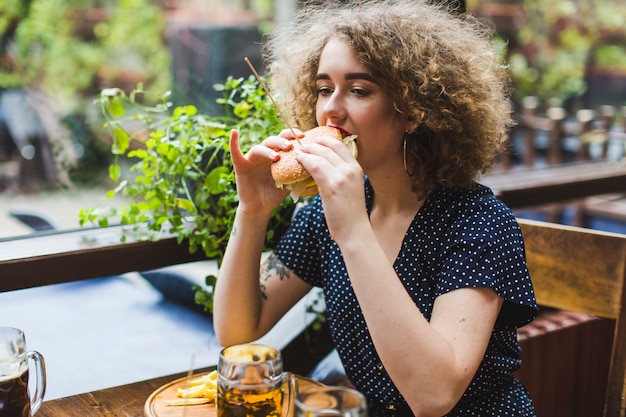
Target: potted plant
{"type": "Point", "coordinates": [181, 177]}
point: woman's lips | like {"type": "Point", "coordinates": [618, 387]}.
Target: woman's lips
{"type": "Point", "coordinates": [343, 131]}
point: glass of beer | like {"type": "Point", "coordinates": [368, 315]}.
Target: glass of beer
{"type": "Point", "coordinates": [14, 372]}
{"type": "Point", "coordinates": [251, 382]}
{"type": "Point", "coordinates": [330, 402]}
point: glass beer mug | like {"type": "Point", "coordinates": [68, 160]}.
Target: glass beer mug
{"type": "Point", "coordinates": [251, 382]}
{"type": "Point", "coordinates": [14, 372]}
{"type": "Point", "coordinates": [330, 402]}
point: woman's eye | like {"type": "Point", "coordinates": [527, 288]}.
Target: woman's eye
{"type": "Point", "coordinates": [324, 91]}
{"type": "Point", "coordinates": [360, 92]}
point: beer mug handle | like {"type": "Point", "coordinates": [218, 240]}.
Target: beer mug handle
{"type": "Point", "coordinates": [290, 384]}
{"type": "Point", "coordinates": [40, 374]}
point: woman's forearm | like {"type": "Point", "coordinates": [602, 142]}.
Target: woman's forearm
{"type": "Point", "coordinates": [430, 362]}
{"type": "Point", "coordinates": [237, 297]}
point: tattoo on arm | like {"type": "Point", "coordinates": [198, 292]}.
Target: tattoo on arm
{"type": "Point", "coordinates": [278, 267]}
{"type": "Point", "coordinates": [273, 267]}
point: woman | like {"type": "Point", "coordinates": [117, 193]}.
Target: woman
{"type": "Point", "coordinates": [422, 268]}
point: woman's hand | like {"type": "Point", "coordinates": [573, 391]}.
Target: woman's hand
{"type": "Point", "coordinates": [339, 179]}
{"type": "Point", "coordinates": [255, 186]}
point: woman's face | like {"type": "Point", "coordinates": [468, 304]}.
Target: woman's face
{"type": "Point", "coordinates": [351, 99]}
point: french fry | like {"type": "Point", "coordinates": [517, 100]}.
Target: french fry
{"type": "Point", "coordinates": [207, 379]}
{"type": "Point", "coordinates": [200, 390]}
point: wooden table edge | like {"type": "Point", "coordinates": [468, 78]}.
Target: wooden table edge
{"type": "Point", "coordinates": [123, 400]}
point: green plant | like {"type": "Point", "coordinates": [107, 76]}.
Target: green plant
{"type": "Point", "coordinates": [184, 181]}
{"type": "Point", "coordinates": [561, 40]}
{"type": "Point", "coordinates": [68, 50]}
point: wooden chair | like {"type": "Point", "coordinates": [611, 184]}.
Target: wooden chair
{"type": "Point", "coordinates": [583, 270]}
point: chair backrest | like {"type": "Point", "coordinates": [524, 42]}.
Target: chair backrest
{"type": "Point", "coordinates": [583, 270]}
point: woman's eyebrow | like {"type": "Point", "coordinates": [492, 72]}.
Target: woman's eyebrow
{"type": "Point", "coordinates": [349, 76]}
{"type": "Point", "coordinates": [322, 76]}
{"type": "Point", "coordinates": [360, 76]}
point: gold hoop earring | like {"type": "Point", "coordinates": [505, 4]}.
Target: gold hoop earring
{"type": "Point", "coordinates": [406, 169]}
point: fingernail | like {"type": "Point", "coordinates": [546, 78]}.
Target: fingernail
{"type": "Point", "coordinates": [273, 155]}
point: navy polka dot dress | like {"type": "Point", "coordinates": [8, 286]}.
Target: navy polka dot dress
{"type": "Point", "coordinates": [457, 239]}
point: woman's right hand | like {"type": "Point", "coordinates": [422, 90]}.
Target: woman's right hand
{"type": "Point", "coordinates": [256, 188]}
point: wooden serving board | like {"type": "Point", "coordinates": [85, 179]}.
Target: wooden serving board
{"type": "Point", "coordinates": [155, 404]}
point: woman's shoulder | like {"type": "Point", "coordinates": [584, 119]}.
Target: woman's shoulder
{"type": "Point", "coordinates": [469, 214]}
{"type": "Point", "coordinates": [470, 196]}
{"type": "Point", "coordinates": [477, 202]}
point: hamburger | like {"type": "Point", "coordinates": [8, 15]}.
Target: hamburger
{"type": "Point", "coordinates": [289, 174]}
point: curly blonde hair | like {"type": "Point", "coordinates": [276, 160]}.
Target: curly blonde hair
{"type": "Point", "coordinates": [439, 68]}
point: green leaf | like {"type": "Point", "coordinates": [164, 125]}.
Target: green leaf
{"type": "Point", "coordinates": [115, 172]}
{"type": "Point", "coordinates": [242, 109]}
{"type": "Point", "coordinates": [116, 108]}
{"type": "Point", "coordinates": [149, 205]}
{"type": "Point", "coordinates": [121, 141]}
{"type": "Point", "coordinates": [138, 153]}
{"type": "Point", "coordinates": [185, 204]}
{"type": "Point", "coordinates": [213, 181]}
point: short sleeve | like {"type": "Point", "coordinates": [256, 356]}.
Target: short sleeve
{"type": "Point", "coordinates": [489, 252]}
{"type": "Point", "coordinates": [298, 249]}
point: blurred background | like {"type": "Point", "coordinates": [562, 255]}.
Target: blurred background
{"type": "Point", "coordinates": [567, 61]}
{"type": "Point", "coordinates": [56, 56]}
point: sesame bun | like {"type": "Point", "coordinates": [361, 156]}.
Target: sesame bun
{"type": "Point", "coordinates": [288, 173]}
{"type": "Point", "coordinates": [287, 170]}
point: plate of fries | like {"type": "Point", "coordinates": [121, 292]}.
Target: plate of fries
{"type": "Point", "coordinates": [188, 397]}
{"type": "Point", "coordinates": [194, 396]}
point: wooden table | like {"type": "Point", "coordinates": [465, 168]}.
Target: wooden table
{"type": "Point", "coordinates": [122, 401]}
{"type": "Point", "coordinates": [558, 183]}
{"type": "Point", "coordinates": [129, 400]}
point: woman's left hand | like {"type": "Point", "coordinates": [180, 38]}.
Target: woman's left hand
{"type": "Point", "coordinates": [339, 179]}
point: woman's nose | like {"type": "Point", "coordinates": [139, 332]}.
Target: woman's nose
{"type": "Point", "coordinates": [333, 107]}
